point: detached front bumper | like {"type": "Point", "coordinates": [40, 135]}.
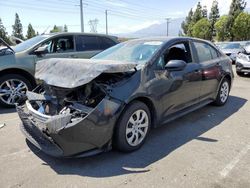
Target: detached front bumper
{"type": "Point", "coordinates": [60, 137]}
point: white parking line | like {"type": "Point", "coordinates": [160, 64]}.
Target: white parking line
{"type": "Point", "coordinates": [234, 162]}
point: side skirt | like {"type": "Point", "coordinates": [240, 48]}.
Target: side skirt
{"type": "Point", "coordinates": [185, 111]}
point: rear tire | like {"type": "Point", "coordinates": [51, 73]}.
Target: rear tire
{"type": "Point", "coordinates": [12, 86]}
{"type": "Point", "coordinates": [223, 93]}
{"type": "Point", "coordinates": [133, 127]}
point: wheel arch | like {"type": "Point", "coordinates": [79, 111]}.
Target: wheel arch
{"type": "Point", "coordinates": [21, 72]}
{"type": "Point", "coordinates": [228, 77]}
{"type": "Point", "coordinates": [149, 103]}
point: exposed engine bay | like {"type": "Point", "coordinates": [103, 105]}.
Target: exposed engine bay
{"type": "Point", "coordinates": [51, 100]}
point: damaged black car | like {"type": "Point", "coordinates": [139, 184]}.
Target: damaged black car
{"type": "Point", "coordinates": [84, 107]}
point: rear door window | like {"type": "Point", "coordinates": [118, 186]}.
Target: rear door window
{"type": "Point", "coordinates": [205, 52]}
{"type": "Point", "coordinates": [87, 43]}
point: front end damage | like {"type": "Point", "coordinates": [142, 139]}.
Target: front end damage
{"type": "Point", "coordinates": [70, 122]}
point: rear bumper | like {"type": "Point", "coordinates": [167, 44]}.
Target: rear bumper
{"type": "Point", "coordinates": [88, 136]}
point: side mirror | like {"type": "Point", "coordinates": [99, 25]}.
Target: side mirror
{"type": "Point", "coordinates": [175, 65]}
{"type": "Point", "coordinates": [41, 50]}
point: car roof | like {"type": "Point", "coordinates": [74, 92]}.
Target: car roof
{"type": "Point", "coordinates": [79, 33]}
{"type": "Point", "coordinates": [166, 39]}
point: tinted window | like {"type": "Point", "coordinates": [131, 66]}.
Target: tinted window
{"type": "Point", "coordinates": [84, 43]}
{"type": "Point", "coordinates": [214, 53]}
{"type": "Point", "coordinates": [106, 43]}
{"type": "Point", "coordinates": [205, 52]}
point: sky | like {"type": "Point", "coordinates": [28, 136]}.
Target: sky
{"type": "Point", "coordinates": [124, 16]}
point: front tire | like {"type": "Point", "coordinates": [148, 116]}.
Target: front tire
{"type": "Point", "coordinates": [223, 93]}
{"type": "Point", "coordinates": [12, 88]}
{"type": "Point", "coordinates": [133, 127]}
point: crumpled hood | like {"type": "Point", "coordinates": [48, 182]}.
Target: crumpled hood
{"type": "Point", "coordinates": [71, 73]}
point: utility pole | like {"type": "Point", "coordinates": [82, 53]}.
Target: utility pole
{"type": "Point", "coordinates": [106, 16]}
{"type": "Point", "coordinates": [168, 22]}
{"type": "Point", "coordinates": [81, 16]}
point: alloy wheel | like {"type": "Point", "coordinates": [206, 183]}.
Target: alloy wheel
{"type": "Point", "coordinates": [11, 90]}
{"type": "Point", "coordinates": [224, 92]}
{"type": "Point", "coordinates": [137, 127]}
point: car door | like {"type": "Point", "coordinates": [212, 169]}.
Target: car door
{"type": "Point", "coordinates": [209, 60]}
{"type": "Point", "coordinates": [87, 46]}
{"type": "Point", "coordinates": [178, 89]}
{"type": "Point", "coordinates": [56, 47]}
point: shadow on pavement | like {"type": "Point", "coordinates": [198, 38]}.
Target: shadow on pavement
{"type": "Point", "coordinates": [7, 110]}
{"type": "Point", "coordinates": [161, 142]}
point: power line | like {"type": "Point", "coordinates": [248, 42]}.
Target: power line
{"type": "Point", "coordinates": [35, 8]}
{"type": "Point", "coordinates": [126, 10]}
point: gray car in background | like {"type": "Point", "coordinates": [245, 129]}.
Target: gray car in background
{"type": "Point", "coordinates": [232, 49]}
{"type": "Point", "coordinates": [17, 64]}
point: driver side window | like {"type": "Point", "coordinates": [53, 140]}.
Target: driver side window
{"type": "Point", "coordinates": [59, 45]}
{"type": "Point", "coordinates": [178, 51]}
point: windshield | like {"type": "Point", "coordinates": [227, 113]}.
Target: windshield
{"type": "Point", "coordinates": [231, 46]}
{"type": "Point", "coordinates": [132, 51]}
{"type": "Point", "coordinates": [29, 43]}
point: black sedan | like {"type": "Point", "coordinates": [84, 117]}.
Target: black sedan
{"type": "Point", "coordinates": [84, 107]}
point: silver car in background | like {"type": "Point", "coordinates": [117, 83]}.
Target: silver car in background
{"type": "Point", "coordinates": [232, 49]}
{"type": "Point", "coordinates": [243, 62]}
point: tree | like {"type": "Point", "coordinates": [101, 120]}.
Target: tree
{"type": "Point", "coordinates": [30, 32]}
{"type": "Point", "coordinates": [202, 29]}
{"type": "Point", "coordinates": [222, 32]}
{"type": "Point", "coordinates": [214, 16]}
{"type": "Point", "coordinates": [241, 27]}
{"type": "Point", "coordinates": [198, 13]}
{"type": "Point", "coordinates": [3, 33]}
{"type": "Point", "coordinates": [17, 28]}
{"type": "Point", "coordinates": [55, 29]}
{"type": "Point", "coordinates": [190, 29]}
{"type": "Point", "coordinates": [204, 12]}
{"type": "Point", "coordinates": [236, 7]}
{"type": "Point", "coordinates": [187, 21]}
{"type": "Point", "coordinates": [65, 28]}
